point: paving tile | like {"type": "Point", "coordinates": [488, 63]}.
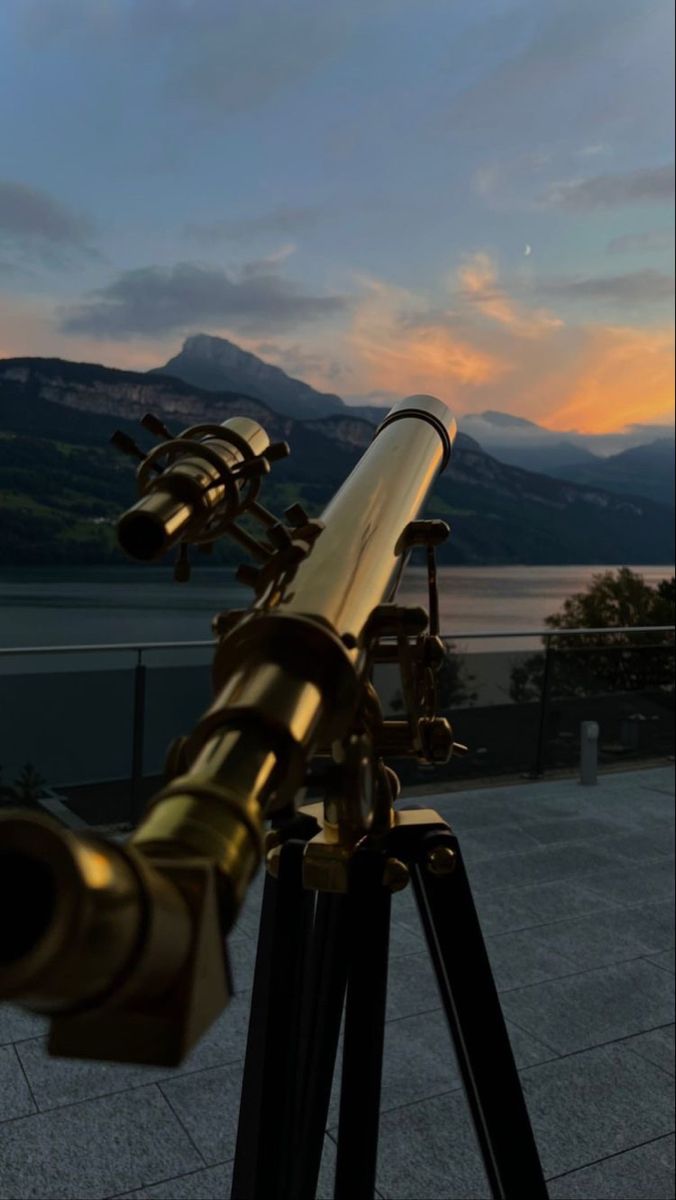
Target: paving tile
{"type": "Point", "coordinates": [411, 986]}
{"type": "Point", "coordinates": [645, 1173]}
{"type": "Point", "coordinates": [517, 960]}
{"type": "Point", "coordinates": [666, 961]}
{"type": "Point", "coordinates": [593, 1007]}
{"type": "Point", "coordinates": [242, 951]}
{"type": "Point", "coordinates": [249, 916]}
{"type": "Point", "coordinates": [568, 861]}
{"type": "Point", "coordinates": [92, 1150]}
{"type": "Point", "coordinates": [406, 937]}
{"type": "Point", "coordinates": [657, 1046]}
{"type": "Point", "coordinates": [540, 904]}
{"type": "Point", "coordinates": [570, 829]}
{"type": "Point", "coordinates": [419, 1060]}
{"type": "Point", "coordinates": [207, 1103]}
{"type": "Point", "coordinates": [630, 885]}
{"type": "Point", "coordinates": [15, 1097]}
{"type": "Point", "coordinates": [215, 1182]}
{"type": "Point", "coordinates": [638, 846]}
{"type": "Point", "coordinates": [583, 1108]}
{"type": "Point", "coordinates": [480, 844]}
{"type": "Point", "coordinates": [596, 1103]}
{"type": "Point", "coordinates": [429, 1149]}
{"type": "Point", "coordinates": [57, 1081]}
{"type": "Point", "coordinates": [611, 936]}
{"type": "Point", "coordinates": [17, 1023]}
{"type": "Point", "coordinates": [198, 1185]}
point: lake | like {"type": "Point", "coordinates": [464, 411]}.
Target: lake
{"type": "Point", "coordinates": [92, 605]}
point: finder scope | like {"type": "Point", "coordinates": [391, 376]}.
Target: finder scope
{"type": "Point", "coordinates": [194, 486]}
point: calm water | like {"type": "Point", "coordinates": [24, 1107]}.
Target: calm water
{"type": "Point", "coordinates": [66, 606]}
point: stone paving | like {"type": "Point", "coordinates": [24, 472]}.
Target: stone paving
{"type": "Point", "coordinates": [574, 889]}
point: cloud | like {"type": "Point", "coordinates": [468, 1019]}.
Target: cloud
{"type": "Point", "coordinates": [266, 265]}
{"type": "Point", "coordinates": [636, 287]}
{"type": "Point", "coordinates": [280, 220]}
{"type": "Point", "coordinates": [642, 243]}
{"type": "Point", "coordinates": [648, 185]}
{"type": "Point", "coordinates": [158, 300]}
{"type": "Point", "coordinates": [618, 376]}
{"type": "Point", "coordinates": [35, 225]}
{"type": "Point", "coordinates": [473, 354]}
{"type": "Point", "coordinates": [479, 287]}
{"type": "Point", "coordinates": [396, 344]}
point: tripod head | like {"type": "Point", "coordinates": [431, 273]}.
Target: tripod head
{"type": "Point", "coordinates": [292, 682]}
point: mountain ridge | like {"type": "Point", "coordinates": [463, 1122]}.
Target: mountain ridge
{"type": "Point", "coordinates": [62, 487]}
{"type": "Point", "coordinates": [217, 364]}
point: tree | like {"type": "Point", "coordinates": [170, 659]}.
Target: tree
{"type": "Point", "coordinates": [606, 662]}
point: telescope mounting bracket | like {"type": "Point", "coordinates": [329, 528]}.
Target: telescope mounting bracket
{"type": "Point", "coordinates": [275, 548]}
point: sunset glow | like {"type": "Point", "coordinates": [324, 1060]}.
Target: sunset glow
{"type": "Point", "coordinates": [498, 233]}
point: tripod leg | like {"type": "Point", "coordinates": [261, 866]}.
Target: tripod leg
{"type": "Point", "coordinates": [265, 1136]}
{"type": "Point", "coordinates": [369, 912]}
{"type": "Point", "coordinates": [324, 995]}
{"type": "Point", "coordinates": [475, 1018]}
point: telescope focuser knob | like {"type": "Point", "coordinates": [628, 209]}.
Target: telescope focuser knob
{"type": "Point", "coordinates": [296, 515]}
{"type": "Point", "coordinates": [434, 651]}
{"type": "Point", "coordinates": [154, 425]}
{"type": "Point", "coordinates": [436, 737]}
{"type": "Point", "coordinates": [279, 536]}
{"type": "Point", "coordinates": [277, 450]}
{"type": "Point", "coordinates": [126, 445]}
{"type": "Point", "coordinates": [247, 574]}
{"type": "Point", "coordinates": [253, 468]}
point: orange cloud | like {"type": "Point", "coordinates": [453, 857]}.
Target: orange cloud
{"type": "Point", "coordinates": [622, 375]}
{"type": "Point", "coordinates": [479, 286]}
{"type": "Point", "coordinates": [396, 346]}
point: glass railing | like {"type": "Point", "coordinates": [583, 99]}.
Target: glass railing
{"type": "Point", "coordinates": [95, 722]}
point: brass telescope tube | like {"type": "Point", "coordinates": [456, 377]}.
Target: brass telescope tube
{"type": "Point", "coordinates": [146, 919]}
{"type": "Point", "coordinates": [289, 677]}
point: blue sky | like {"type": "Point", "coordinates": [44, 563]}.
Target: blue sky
{"type": "Point", "coordinates": [381, 196]}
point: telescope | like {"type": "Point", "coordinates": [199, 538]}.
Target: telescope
{"type": "Point", "coordinates": [124, 946]}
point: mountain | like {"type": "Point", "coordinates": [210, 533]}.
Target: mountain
{"type": "Point", "coordinates": [62, 486]}
{"type": "Point", "coordinates": [643, 470]}
{"type": "Point", "coordinates": [215, 364]}
{"type": "Point", "coordinates": [523, 443]}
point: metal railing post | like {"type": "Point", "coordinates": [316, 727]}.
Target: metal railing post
{"type": "Point", "coordinates": [137, 737]}
{"type": "Point", "coordinates": [589, 752]}
{"type": "Point", "coordinates": [539, 766]}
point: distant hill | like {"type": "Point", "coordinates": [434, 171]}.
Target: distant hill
{"type": "Point", "coordinates": [216, 364]}
{"type": "Point", "coordinates": [643, 470]}
{"type": "Point", "coordinates": [524, 443]}
{"type": "Point", "coordinates": [62, 486]}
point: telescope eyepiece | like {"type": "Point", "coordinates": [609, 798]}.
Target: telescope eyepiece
{"type": "Point", "coordinates": [28, 890]}
{"type": "Point", "coordinates": [148, 529]}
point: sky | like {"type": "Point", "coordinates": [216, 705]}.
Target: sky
{"type": "Point", "coordinates": [472, 198]}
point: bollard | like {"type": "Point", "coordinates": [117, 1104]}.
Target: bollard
{"type": "Point", "coordinates": [589, 751]}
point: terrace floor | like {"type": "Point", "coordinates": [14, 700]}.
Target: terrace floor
{"type": "Point", "coordinates": [574, 889]}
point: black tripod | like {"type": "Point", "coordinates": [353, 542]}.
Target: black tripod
{"type": "Point", "coordinates": [320, 952]}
